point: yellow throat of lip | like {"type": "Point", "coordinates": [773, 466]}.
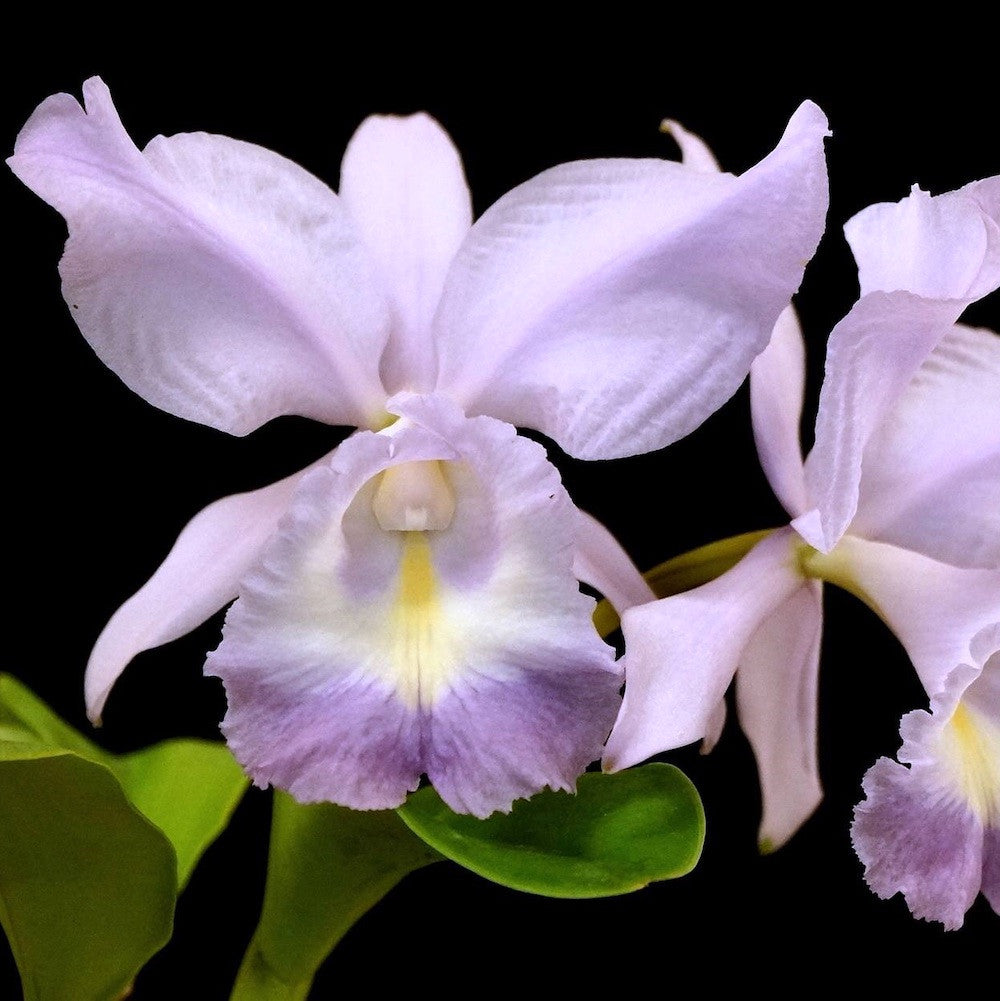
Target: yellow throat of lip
{"type": "Point", "coordinates": [412, 500]}
{"type": "Point", "coordinates": [424, 646]}
{"type": "Point", "coordinates": [971, 745]}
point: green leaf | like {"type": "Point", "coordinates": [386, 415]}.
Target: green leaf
{"type": "Point", "coordinates": [690, 569]}
{"type": "Point", "coordinates": [87, 883]}
{"type": "Point", "coordinates": [116, 818]}
{"type": "Point", "coordinates": [616, 834]}
{"type": "Point", "coordinates": [22, 710]}
{"type": "Point", "coordinates": [327, 866]}
{"type": "Point", "coordinates": [188, 788]}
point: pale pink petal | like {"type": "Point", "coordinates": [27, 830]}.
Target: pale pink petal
{"type": "Point", "coordinates": [776, 696]}
{"type": "Point", "coordinates": [198, 577]}
{"type": "Point", "coordinates": [716, 724]}
{"type": "Point", "coordinates": [921, 263]}
{"type": "Point", "coordinates": [695, 152]}
{"type": "Point", "coordinates": [933, 608]}
{"type": "Point", "coordinates": [402, 183]}
{"type": "Point", "coordinates": [682, 651]}
{"type": "Point", "coordinates": [937, 247]}
{"type": "Point", "coordinates": [357, 657]}
{"type": "Point", "coordinates": [601, 562]}
{"type": "Point", "coordinates": [931, 472]}
{"type": "Point", "coordinates": [615, 304]}
{"type": "Point", "coordinates": [986, 194]}
{"type": "Point", "coordinates": [220, 281]}
{"type": "Point", "coordinates": [777, 387]}
{"type": "Point", "coordinates": [872, 355]}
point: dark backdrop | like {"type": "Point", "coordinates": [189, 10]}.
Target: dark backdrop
{"type": "Point", "coordinates": [102, 482]}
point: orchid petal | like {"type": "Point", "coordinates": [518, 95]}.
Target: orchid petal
{"type": "Point", "coordinates": [933, 608]}
{"type": "Point", "coordinates": [986, 194]}
{"type": "Point", "coordinates": [930, 830]}
{"type": "Point", "coordinates": [910, 302]}
{"type": "Point", "coordinates": [991, 867]}
{"type": "Point", "coordinates": [695, 152]}
{"type": "Point", "coordinates": [936, 247]}
{"type": "Point", "coordinates": [640, 290]}
{"type": "Point", "coordinates": [929, 849]}
{"type": "Point", "coordinates": [402, 183]}
{"type": "Point", "coordinates": [682, 651]}
{"type": "Point", "coordinates": [357, 658]}
{"type": "Point", "coordinates": [931, 473]}
{"type": "Point", "coordinates": [777, 388]}
{"type": "Point", "coordinates": [198, 577]}
{"type": "Point", "coordinates": [601, 562]}
{"type": "Point", "coordinates": [220, 281]}
{"type": "Point", "coordinates": [716, 724]}
{"type": "Point", "coordinates": [776, 694]}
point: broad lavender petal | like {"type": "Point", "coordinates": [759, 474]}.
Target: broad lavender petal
{"type": "Point", "coordinates": [777, 696]}
{"type": "Point", "coordinates": [929, 830]}
{"type": "Point", "coordinates": [198, 577]}
{"type": "Point", "coordinates": [601, 562]}
{"type": "Point", "coordinates": [357, 657]}
{"type": "Point", "coordinates": [931, 472]}
{"type": "Point", "coordinates": [991, 867]}
{"type": "Point", "coordinates": [933, 608]}
{"type": "Point", "coordinates": [402, 183]}
{"type": "Point", "coordinates": [914, 843]}
{"type": "Point", "coordinates": [220, 281]}
{"type": "Point", "coordinates": [911, 299]}
{"type": "Point", "coordinates": [615, 304]}
{"type": "Point", "coordinates": [682, 651]}
{"type": "Point", "coordinates": [305, 656]}
{"type": "Point", "coordinates": [777, 388]}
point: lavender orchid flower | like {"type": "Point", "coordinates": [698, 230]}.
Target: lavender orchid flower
{"type": "Point", "coordinates": [932, 831]}
{"type": "Point", "coordinates": [409, 604]}
{"type": "Point", "coordinates": [899, 502]}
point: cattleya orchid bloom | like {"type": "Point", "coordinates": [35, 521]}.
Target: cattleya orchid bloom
{"type": "Point", "coordinates": [899, 502]}
{"type": "Point", "coordinates": [932, 831]}
{"type": "Point", "coordinates": [409, 604]}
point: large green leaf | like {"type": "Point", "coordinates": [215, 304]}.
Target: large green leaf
{"type": "Point", "coordinates": [27, 718]}
{"type": "Point", "coordinates": [87, 883]}
{"type": "Point", "coordinates": [616, 834]}
{"type": "Point", "coordinates": [327, 866]}
{"type": "Point", "coordinates": [690, 569]}
{"type": "Point", "coordinates": [188, 788]}
{"type": "Point", "coordinates": [85, 836]}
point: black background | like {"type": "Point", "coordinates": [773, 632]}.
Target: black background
{"type": "Point", "coordinates": [102, 482]}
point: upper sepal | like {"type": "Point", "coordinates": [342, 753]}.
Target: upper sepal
{"type": "Point", "coordinates": [921, 262]}
{"type": "Point", "coordinates": [601, 276]}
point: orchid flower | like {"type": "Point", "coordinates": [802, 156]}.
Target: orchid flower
{"type": "Point", "coordinates": [410, 604]}
{"type": "Point", "coordinates": [899, 502]}
{"type": "Point", "coordinates": [932, 831]}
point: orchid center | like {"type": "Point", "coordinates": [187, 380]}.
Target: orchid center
{"type": "Point", "coordinates": [414, 497]}
{"type": "Point", "coordinates": [835, 567]}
